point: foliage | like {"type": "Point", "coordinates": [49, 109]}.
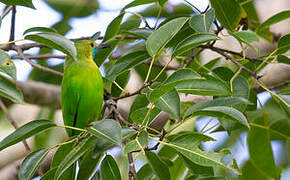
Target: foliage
{"type": "Point", "coordinates": [183, 34]}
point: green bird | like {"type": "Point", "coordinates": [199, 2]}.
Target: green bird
{"type": "Point", "coordinates": [82, 88]}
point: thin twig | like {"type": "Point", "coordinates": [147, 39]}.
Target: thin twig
{"type": "Point", "coordinates": [230, 52]}
{"type": "Point", "coordinates": [12, 29]}
{"type": "Point", "coordinates": [131, 94]}
{"type": "Point", "coordinates": [12, 122]}
{"type": "Point", "coordinates": [46, 69]}
{"type": "Point", "coordinates": [6, 11]}
{"type": "Point", "coordinates": [40, 56]}
{"type": "Point", "coordinates": [132, 170]}
{"type": "Point", "coordinates": [236, 62]}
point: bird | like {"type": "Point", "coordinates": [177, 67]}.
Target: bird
{"type": "Point", "coordinates": [82, 88]}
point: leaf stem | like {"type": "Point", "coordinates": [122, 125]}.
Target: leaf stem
{"type": "Point", "coordinates": [70, 127]}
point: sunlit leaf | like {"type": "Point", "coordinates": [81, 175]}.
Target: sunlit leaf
{"type": "Point", "coordinates": [54, 41]}
{"type": "Point", "coordinates": [40, 29]}
{"type": "Point", "coordinates": [159, 167]}
{"type": "Point", "coordinates": [31, 163]}
{"type": "Point", "coordinates": [228, 12]}
{"type": "Point", "coordinates": [27, 3]}
{"type": "Point", "coordinates": [202, 22]}
{"type": "Point", "coordinates": [159, 38]}
{"type": "Point", "coordinates": [26, 131]}
{"type": "Point", "coordinates": [109, 169]}
{"type": "Point", "coordinates": [107, 129]}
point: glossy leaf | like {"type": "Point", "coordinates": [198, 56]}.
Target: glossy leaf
{"type": "Point", "coordinates": [192, 42]}
{"type": "Point", "coordinates": [182, 74]}
{"type": "Point", "coordinates": [223, 101]}
{"type": "Point", "coordinates": [159, 38]}
{"type": "Point", "coordinates": [110, 169]}
{"type": "Point", "coordinates": [127, 132]}
{"type": "Point", "coordinates": [283, 59]}
{"type": "Point", "coordinates": [54, 41]}
{"type": "Point", "coordinates": [209, 87]}
{"type": "Point", "coordinates": [141, 33]}
{"type": "Point", "coordinates": [279, 130]}
{"type": "Point", "coordinates": [260, 149]}
{"type": "Point", "coordinates": [145, 172]}
{"type": "Point", "coordinates": [263, 29]}
{"type": "Point", "coordinates": [127, 62]}
{"type": "Point", "coordinates": [105, 53]}
{"type": "Point", "coordinates": [89, 164]}
{"type": "Point", "coordinates": [139, 102]}
{"type": "Point", "coordinates": [107, 129]}
{"type": "Point", "coordinates": [79, 150]}
{"type": "Point", "coordinates": [31, 163]}
{"type": "Point", "coordinates": [139, 115]}
{"type": "Point", "coordinates": [228, 12]}
{"type": "Point", "coordinates": [9, 90]}
{"type": "Point", "coordinates": [25, 131]}
{"type": "Point", "coordinates": [6, 65]}
{"type": "Point", "coordinates": [170, 103]}
{"type": "Point", "coordinates": [41, 29]}
{"type": "Point", "coordinates": [27, 3]}
{"type": "Point", "coordinates": [134, 145]}
{"type": "Point", "coordinates": [187, 143]}
{"type": "Point", "coordinates": [202, 22]}
{"type": "Point", "coordinates": [113, 28]}
{"type": "Point", "coordinates": [284, 44]}
{"type": "Point", "coordinates": [137, 3]}
{"type": "Point", "coordinates": [241, 89]}
{"type": "Point", "coordinates": [159, 167]}
{"type": "Point", "coordinates": [223, 113]}
{"type": "Point", "coordinates": [246, 37]}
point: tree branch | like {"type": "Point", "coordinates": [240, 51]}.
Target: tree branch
{"type": "Point", "coordinates": [132, 170]}
{"type": "Point", "coordinates": [6, 11]}
{"type": "Point", "coordinates": [12, 28]}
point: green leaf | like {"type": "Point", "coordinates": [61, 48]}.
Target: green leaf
{"type": "Point", "coordinates": [159, 167]}
{"type": "Point", "coordinates": [170, 103]}
{"type": "Point", "coordinates": [107, 129]}
{"type": "Point", "coordinates": [284, 44]}
{"type": "Point", "coordinates": [127, 62]}
{"type": "Point", "coordinates": [109, 169]}
{"type": "Point", "coordinates": [202, 22]}
{"type": "Point", "coordinates": [228, 12]}
{"type": "Point", "coordinates": [178, 169]}
{"type": "Point", "coordinates": [223, 113]}
{"type": "Point", "coordinates": [241, 89]}
{"type": "Point", "coordinates": [182, 74]}
{"type": "Point", "coordinates": [246, 37]}
{"type": "Point", "coordinates": [223, 101]}
{"type": "Point", "coordinates": [279, 130]}
{"type": "Point", "coordinates": [25, 131]}
{"type": "Point", "coordinates": [139, 102]}
{"type": "Point", "coordinates": [197, 169]}
{"type": "Point", "coordinates": [41, 29]}
{"type": "Point", "coordinates": [134, 145]}
{"type": "Point", "coordinates": [137, 3]}
{"type": "Point", "coordinates": [260, 149]}
{"type": "Point", "coordinates": [89, 164]}
{"type": "Point", "coordinates": [131, 23]}
{"type": "Point", "coordinates": [138, 116]}
{"type": "Point", "coordinates": [159, 38]}
{"type": "Point", "coordinates": [263, 29]}
{"type": "Point", "coordinates": [54, 41]}
{"type": "Point", "coordinates": [9, 90]}
{"type": "Point", "coordinates": [27, 3]}
{"type": "Point", "coordinates": [6, 65]}
{"type": "Point", "coordinates": [187, 143]}
{"type": "Point", "coordinates": [140, 33]}
{"type": "Point", "coordinates": [192, 42]}
{"type": "Point", "coordinates": [145, 172]}
{"type": "Point", "coordinates": [283, 59]}
{"type": "Point", "coordinates": [127, 132]}
{"type": "Point", "coordinates": [122, 80]}
{"type": "Point", "coordinates": [79, 150]}
{"type": "Point", "coordinates": [210, 87]}
{"type": "Point", "coordinates": [113, 28]}
{"type": "Point", "coordinates": [31, 163]}
{"type": "Point", "coordinates": [104, 53]}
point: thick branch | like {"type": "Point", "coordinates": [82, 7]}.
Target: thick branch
{"type": "Point", "coordinates": [39, 93]}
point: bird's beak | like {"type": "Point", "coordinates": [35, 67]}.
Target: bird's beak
{"type": "Point", "coordinates": [102, 46]}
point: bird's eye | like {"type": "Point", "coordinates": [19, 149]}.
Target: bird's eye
{"type": "Point", "coordinates": [92, 45]}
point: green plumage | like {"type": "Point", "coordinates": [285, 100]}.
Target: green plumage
{"type": "Point", "coordinates": [82, 88]}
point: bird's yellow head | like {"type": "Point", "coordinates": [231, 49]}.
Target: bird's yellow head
{"type": "Point", "coordinates": [85, 48]}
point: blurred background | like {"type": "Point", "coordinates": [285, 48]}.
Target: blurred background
{"type": "Point", "coordinates": [83, 18]}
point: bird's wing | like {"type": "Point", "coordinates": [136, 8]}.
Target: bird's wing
{"type": "Point", "coordinates": [69, 102]}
